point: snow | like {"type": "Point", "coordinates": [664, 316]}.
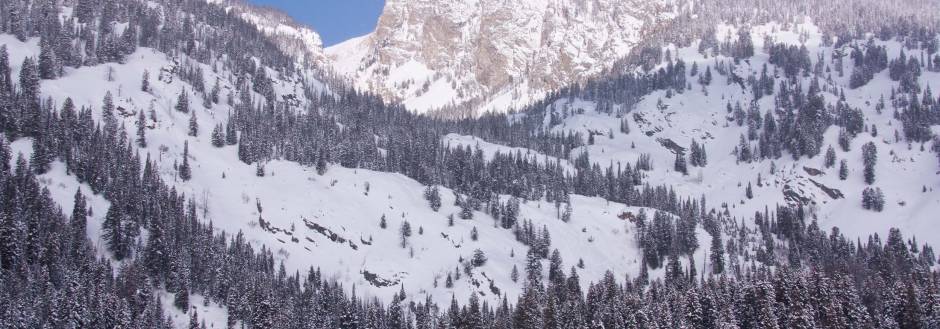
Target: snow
{"type": "Point", "coordinates": [347, 56]}
{"type": "Point", "coordinates": [697, 115]}
{"type": "Point", "coordinates": [19, 51]}
{"type": "Point", "coordinates": [214, 315]}
{"type": "Point", "coordinates": [297, 203]}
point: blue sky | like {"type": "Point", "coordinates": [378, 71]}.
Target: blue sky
{"type": "Point", "coordinates": [335, 20]}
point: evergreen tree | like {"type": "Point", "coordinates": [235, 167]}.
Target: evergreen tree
{"type": "Point", "coordinates": [681, 165]}
{"type": "Point", "coordinates": [185, 172]}
{"type": "Point", "coordinates": [218, 136]}
{"type": "Point", "coordinates": [49, 65]}
{"type": "Point", "coordinates": [404, 233]}
{"type": "Point", "coordinates": [433, 195]}
{"type": "Point", "coordinates": [79, 220]}
{"type": "Point", "coordinates": [193, 125]}
{"type": "Point", "coordinates": [141, 130]}
{"type": "Point", "coordinates": [181, 297]}
{"type": "Point", "coordinates": [870, 158]}
{"type": "Point", "coordinates": [145, 82]}
{"type": "Point", "coordinates": [231, 134]}
{"type": "Point", "coordinates": [830, 160]}
{"type": "Point", "coordinates": [42, 156]}
{"type": "Point", "coordinates": [533, 269]}
{"type": "Point", "coordinates": [717, 254]}
{"type": "Point", "coordinates": [115, 232]}
{"type": "Point", "coordinates": [182, 102]}
{"type": "Point", "coordinates": [479, 258]}
{"type": "Point", "coordinates": [259, 169]}
{"type": "Point", "coordinates": [30, 117]}
{"type": "Point", "coordinates": [843, 169]}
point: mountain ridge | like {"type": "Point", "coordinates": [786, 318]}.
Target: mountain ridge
{"type": "Point", "coordinates": [432, 55]}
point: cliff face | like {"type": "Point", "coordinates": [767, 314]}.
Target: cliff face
{"type": "Point", "coordinates": [490, 54]}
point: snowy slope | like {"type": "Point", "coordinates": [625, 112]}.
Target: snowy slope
{"type": "Point", "coordinates": [331, 221]}
{"type": "Point", "coordinates": [903, 170]}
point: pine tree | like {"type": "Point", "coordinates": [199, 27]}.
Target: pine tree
{"type": "Point", "coordinates": [42, 156]}
{"type": "Point", "coordinates": [231, 134]}
{"type": "Point", "coordinates": [218, 136]}
{"type": "Point", "coordinates": [466, 211]}
{"type": "Point", "coordinates": [141, 130]}
{"type": "Point", "coordinates": [79, 219]}
{"type": "Point", "coordinates": [185, 172]}
{"type": "Point", "coordinates": [4, 156]}
{"type": "Point", "coordinates": [214, 94]}
{"type": "Point", "coordinates": [404, 233]}
{"type": "Point", "coordinates": [49, 65]}
{"type": "Point", "coordinates": [533, 269]}
{"type": "Point", "coordinates": [878, 200]}
{"type": "Point", "coordinates": [479, 258]}
{"type": "Point", "coordinates": [193, 125]}
{"type": "Point", "coordinates": [717, 254]}
{"type": "Point", "coordinates": [29, 95]}
{"type": "Point", "coordinates": [182, 102]}
{"type": "Point", "coordinates": [321, 164]}
{"type": "Point", "coordinates": [870, 157]}
{"type": "Point", "coordinates": [111, 123]}
{"type": "Point", "coordinates": [259, 169]}
{"type": "Point", "coordinates": [555, 272]}
{"type": "Point", "coordinates": [843, 169]}
{"type": "Point", "coordinates": [145, 82]}
{"type": "Point", "coordinates": [433, 195]}
{"type": "Point", "coordinates": [698, 158]}
{"type": "Point", "coordinates": [681, 165]}
{"type": "Point", "coordinates": [830, 160]}
{"type": "Point", "coordinates": [194, 320]}
{"type": "Point", "coordinates": [181, 298]}
{"type": "Point", "coordinates": [114, 232]}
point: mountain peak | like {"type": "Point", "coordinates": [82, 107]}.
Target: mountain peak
{"type": "Point", "coordinates": [490, 54]}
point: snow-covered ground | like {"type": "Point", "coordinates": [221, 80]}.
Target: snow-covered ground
{"type": "Point", "coordinates": [330, 221]}
{"type": "Point", "coordinates": [902, 172]}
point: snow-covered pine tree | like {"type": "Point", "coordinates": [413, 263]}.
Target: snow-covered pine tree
{"type": "Point", "coordinates": [141, 130]}
{"type": "Point", "coordinates": [193, 125]}
{"type": "Point", "coordinates": [870, 159]}
{"type": "Point", "coordinates": [218, 136]}
{"type": "Point", "coordinates": [185, 172]}
{"type": "Point", "coordinates": [182, 102]}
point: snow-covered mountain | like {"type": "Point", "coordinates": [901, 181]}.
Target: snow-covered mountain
{"type": "Point", "coordinates": [665, 121]}
{"type": "Point", "coordinates": [294, 38]}
{"type": "Point", "coordinates": [491, 54]}
{"type": "Point", "coordinates": [803, 132]}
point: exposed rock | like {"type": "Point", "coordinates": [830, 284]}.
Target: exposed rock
{"type": "Point", "coordinates": [433, 53]}
{"type": "Point", "coordinates": [831, 192]}
{"type": "Point", "coordinates": [813, 171]}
